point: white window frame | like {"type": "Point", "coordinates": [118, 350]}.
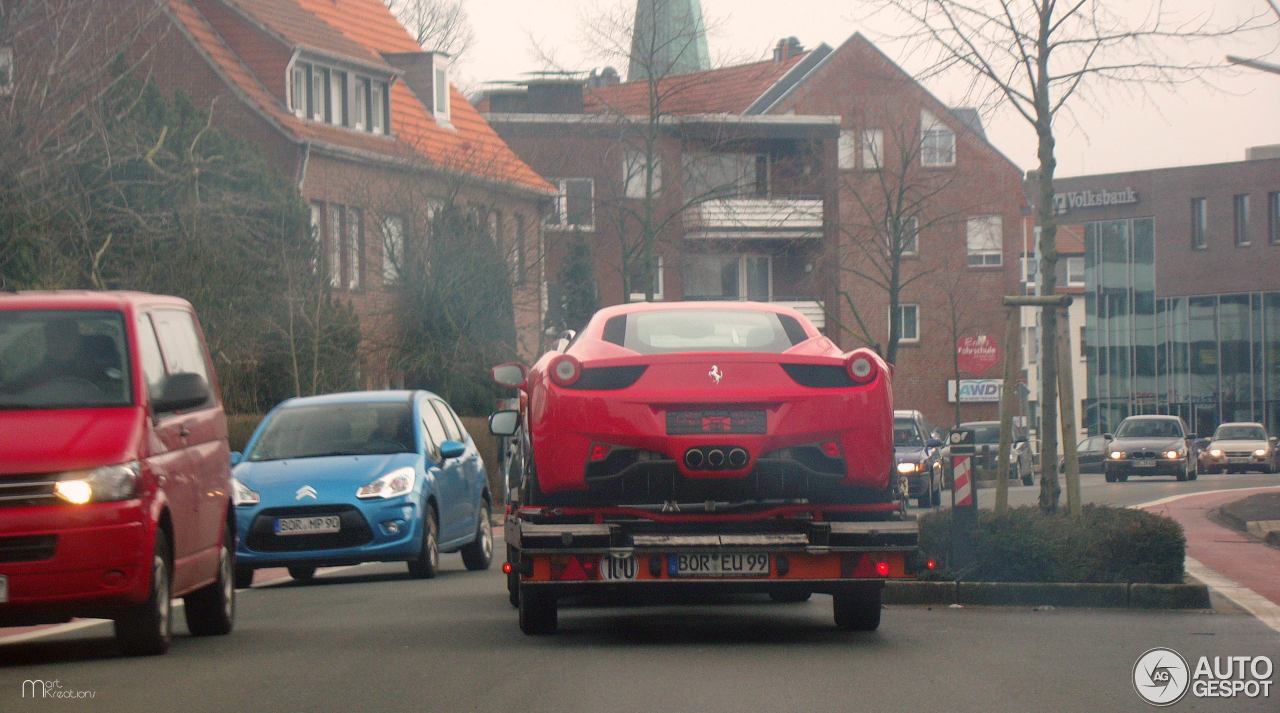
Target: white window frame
{"type": "Point", "coordinates": [377, 106]}
{"type": "Point", "coordinates": [318, 90]}
{"type": "Point", "coordinates": [872, 149]}
{"type": "Point", "coordinates": [902, 322]}
{"type": "Point", "coordinates": [298, 90]}
{"type": "Point", "coordinates": [318, 217]}
{"type": "Point", "coordinates": [561, 216]}
{"type": "Point", "coordinates": [391, 229]}
{"type": "Point", "coordinates": [847, 150]}
{"type": "Point", "coordinates": [1240, 220]}
{"type": "Point", "coordinates": [1075, 260]}
{"type": "Point", "coordinates": [981, 222]}
{"type": "Point", "coordinates": [1199, 223]}
{"type": "Point", "coordinates": [338, 101]}
{"type": "Point", "coordinates": [360, 103]}
{"type": "Point", "coordinates": [354, 247]}
{"type": "Point", "coordinates": [441, 101]}
{"type": "Point", "coordinates": [1030, 268]}
{"type": "Point", "coordinates": [633, 174]}
{"type": "Point", "coordinates": [937, 142]}
{"type": "Point", "coordinates": [7, 72]}
{"type": "Point", "coordinates": [661, 286]}
{"type": "Point", "coordinates": [337, 221]}
{"type": "Point", "coordinates": [914, 249]}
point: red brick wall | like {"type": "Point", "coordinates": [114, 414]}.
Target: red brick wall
{"type": "Point", "coordinates": [866, 90]}
{"type": "Point", "coordinates": [266, 54]}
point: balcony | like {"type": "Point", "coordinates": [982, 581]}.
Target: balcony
{"type": "Point", "coordinates": [756, 219]}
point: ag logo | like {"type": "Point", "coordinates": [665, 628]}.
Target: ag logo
{"type": "Point", "coordinates": [1161, 677]}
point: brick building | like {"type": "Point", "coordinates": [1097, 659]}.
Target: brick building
{"type": "Point", "coordinates": [778, 181]}
{"type": "Point", "coordinates": [337, 96]}
{"type": "Point", "coordinates": [1181, 288]}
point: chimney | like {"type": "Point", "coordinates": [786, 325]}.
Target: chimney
{"type": "Point", "coordinates": [419, 71]}
{"type": "Point", "coordinates": [787, 48]}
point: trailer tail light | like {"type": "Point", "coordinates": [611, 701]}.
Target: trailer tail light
{"type": "Point", "coordinates": [566, 370]}
{"type": "Point", "coordinates": [882, 568]}
{"type": "Point", "coordinates": [572, 568]}
{"type": "Point", "coordinates": [506, 568]}
{"type": "Point", "coordinates": [931, 564]}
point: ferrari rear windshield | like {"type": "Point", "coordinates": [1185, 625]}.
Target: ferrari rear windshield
{"type": "Point", "coordinates": [705, 330]}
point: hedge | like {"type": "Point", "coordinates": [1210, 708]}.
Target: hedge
{"type": "Point", "coordinates": [1107, 544]}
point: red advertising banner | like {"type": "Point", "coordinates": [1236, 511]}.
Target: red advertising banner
{"type": "Point", "coordinates": [977, 354]}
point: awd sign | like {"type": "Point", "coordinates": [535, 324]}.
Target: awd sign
{"type": "Point", "coordinates": [975, 391]}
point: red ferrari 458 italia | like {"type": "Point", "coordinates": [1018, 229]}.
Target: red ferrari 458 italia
{"type": "Point", "coordinates": [702, 401]}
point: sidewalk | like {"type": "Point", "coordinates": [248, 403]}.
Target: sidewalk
{"type": "Point", "coordinates": [1230, 554]}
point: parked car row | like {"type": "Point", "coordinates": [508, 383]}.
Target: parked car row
{"type": "Point", "coordinates": [116, 484]}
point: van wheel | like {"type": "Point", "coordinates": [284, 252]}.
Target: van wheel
{"type": "Point", "coordinates": [538, 612]}
{"type": "Point", "coordinates": [148, 628]}
{"type": "Point", "coordinates": [858, 609]}
{"type": "Point", "coordinates": [302, 573]}
{"type": "Point", "coordinates": [211, 611]}
{"type": "Point", "coordinates": [478, 555]}
{"type": "Point", "coordinates": [427, 565]}
{"type": "Point", "coordinates": [244, 577]}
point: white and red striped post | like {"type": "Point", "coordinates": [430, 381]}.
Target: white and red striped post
{"type": "Point", "coordinates": [964, 499]}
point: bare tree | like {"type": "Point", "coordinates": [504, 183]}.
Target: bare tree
{"type": "Point", "coordinates": [1042, 57]}
{"type": "Point", "coordinates": [436, 25]}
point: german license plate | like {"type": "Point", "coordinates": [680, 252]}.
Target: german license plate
{"type": "Point", "coordinates": [724, 564]}
{"type": "Point", "coordinates": [1240, 459]}
{"type": "Point", "coordinates": [4, 589]}
{"type": "Point", "coordinates": [319, 525]}
{"type": "Point", "coordinates": [1144, 464]}
{"type": "Point", "coordinates": [688, 422]}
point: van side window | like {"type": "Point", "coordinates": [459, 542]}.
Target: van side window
{"type": "Point", "coordinates": [149, 356]}
{"type": "Point", "coordinates": [179, 343]}
{"type": "Point", "coordinates": [446, 417]}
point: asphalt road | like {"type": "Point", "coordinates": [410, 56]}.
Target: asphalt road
{"type": "Point", "coordinates": [369, 638]}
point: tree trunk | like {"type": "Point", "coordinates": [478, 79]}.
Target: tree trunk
{"type": "Point", "coordinates": [1050, 489]}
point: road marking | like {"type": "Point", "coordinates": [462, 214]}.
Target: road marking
{"type": "Point", "coordinates": [1263, 609]}
{"type": "Point", "coordinates": [177, 603]}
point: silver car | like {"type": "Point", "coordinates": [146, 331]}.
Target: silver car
{"type": "Point", "coordinates": [1240, 447]}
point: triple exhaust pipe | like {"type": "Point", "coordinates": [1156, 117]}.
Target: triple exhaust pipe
{"type": "Point", "coordinates": [716, 458]}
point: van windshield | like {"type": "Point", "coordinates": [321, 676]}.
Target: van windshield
{"type": "Point", "coordinates": [62, 359]}
{"type": "Point", "coordinates": [351, 429]}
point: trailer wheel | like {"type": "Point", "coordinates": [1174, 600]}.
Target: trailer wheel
{"type": "Point", "coordinates": [538, 613]}
{"type": "Point", "coordinates": [858, 610]}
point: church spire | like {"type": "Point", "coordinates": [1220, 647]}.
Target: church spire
{"type": "Point", "coordinates": [669, 38]}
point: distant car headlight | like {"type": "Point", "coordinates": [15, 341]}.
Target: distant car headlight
{"type": "Point", "coordinates": [1117, 455]}
{"type": "Point", "coordinates": [1174, 455]}
{"type": "Point", "coordinates": [1215, 452]}
{"type": "Point", "coordinates": [100, 485]}
{"type": "Point", "coordinates": [392, 485]}
{"type": "Point", "coordinates": [908, 468]}
{"type": "Point", "coordinates": [1261, 453]}
{"type": "Point", "coordinates": [241, 494]}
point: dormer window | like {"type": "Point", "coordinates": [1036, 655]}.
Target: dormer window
{"type": "Point", "coordinates": [440, 87]}
{"type": "Point", "coordinates": [337, 97]}
{"type": "Point", "coordinates": [6, 70]}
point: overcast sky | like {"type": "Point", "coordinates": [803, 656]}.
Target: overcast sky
{"type": "Point", "coordinates": [1190, 124]}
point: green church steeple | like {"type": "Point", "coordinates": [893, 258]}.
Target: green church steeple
{"type": "Point", "coordinates": [669, 38]}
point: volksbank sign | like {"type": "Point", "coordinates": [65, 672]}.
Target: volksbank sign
{"type": "Point", "coordinates": [1067, 202]}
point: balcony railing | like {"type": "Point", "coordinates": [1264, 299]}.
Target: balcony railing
{"type": "Point", "coordinates": [756, 218]}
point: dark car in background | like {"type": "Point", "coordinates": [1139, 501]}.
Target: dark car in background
{"type": "Point", "coordinates": [1151, 445]}
{"type": "Point", "coordinates": [986, 438]}
{"type": "Point", "coordinates": [919, 457]}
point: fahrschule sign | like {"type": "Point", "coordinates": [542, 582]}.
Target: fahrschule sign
{"type": "Point", "coordinates": [1072, 200]}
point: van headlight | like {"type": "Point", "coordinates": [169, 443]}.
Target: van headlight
{"type": "Point", "coordinates": [392, 485]}
{"type": "Point", "coordinates": [1117, 455]}
{"type": "Point", "coordinates": [100, 485]}
{"type": "Point", "coordinates": [242, 494]}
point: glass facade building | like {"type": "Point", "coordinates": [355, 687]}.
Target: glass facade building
{"type": "Point", "coordinates": [1208, 358]}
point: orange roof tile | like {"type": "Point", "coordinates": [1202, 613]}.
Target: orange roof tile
{"type": "Point", "coordinates": [469, 146]}
{"type": "Point", "coordinates": [301, 28]}
{"type": "Point", "coordinates": [729, 90]}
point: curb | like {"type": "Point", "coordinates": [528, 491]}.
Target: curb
{"type": "Point", "coordinates": [1104, 595]}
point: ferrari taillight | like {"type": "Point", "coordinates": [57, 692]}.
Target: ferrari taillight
{"type": "Point", "coordinates": [862, 370]}
{"type": "Point", "coordinates": [565, 370]}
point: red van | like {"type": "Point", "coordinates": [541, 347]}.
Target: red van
{"type": "Point", "coordinates": [115, 483]}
